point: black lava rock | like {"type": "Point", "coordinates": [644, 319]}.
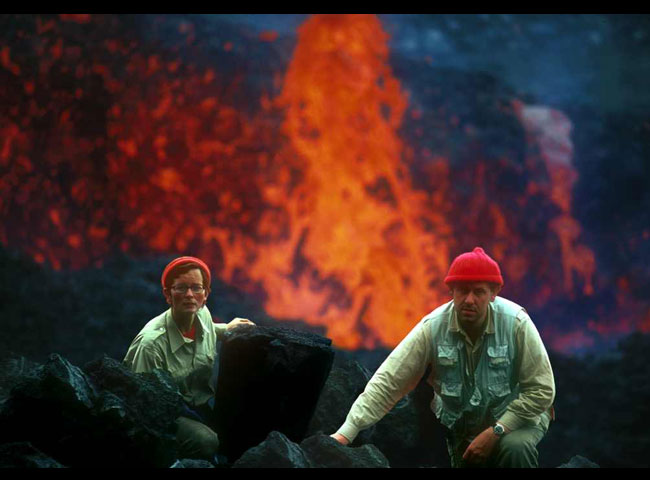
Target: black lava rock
{"type": "Point", "coordinates": [105, 416]}
{"type": "Point", "coordinates": [277, 451]}
{"type": "Point", "coordinates": [269, 379]}
{"type": "Point", "coordinates": [52, 409]}
{"type": "Point", "coordinates": [578, 461]}
{"type": "Point", "coordinates": [191, 463]}
{"type": "Point", "coordinates": [323, 451]}
{"type": "Point", "coordinates": [136, 412]}
{"type": "Point", "coordinates": [25, 455]}
{"type": "Point", "coordinates": [13, 368]}
{"type": "Point", "coordinates": [346, 381]}
{"type": "Point", "coordinates": [408, 435]}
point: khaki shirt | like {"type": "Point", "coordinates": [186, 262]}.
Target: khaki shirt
{"type": "Point", "coordinates": [406, 365]}
{"type": "Point", "coordinates": [160, 344]}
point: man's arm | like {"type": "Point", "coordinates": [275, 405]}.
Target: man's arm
{"type": "Point", "coordinates": [397, 376]}
{"type": "Point", "coordinates": [536, 381]}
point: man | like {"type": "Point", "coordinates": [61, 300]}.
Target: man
{"type": "Point", "coordinates": [493, 382]}
{"type": "Point", "coordinates": [183, 341]}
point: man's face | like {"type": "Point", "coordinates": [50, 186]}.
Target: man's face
{"type": "Point", "coordinates": [187, 302]}
{"type": "Point", "coordinates": [471, 300]}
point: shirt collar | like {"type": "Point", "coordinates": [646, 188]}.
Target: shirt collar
{"type": "Point", "coordinates": [454, 326]}
{"type": "Point", "coordinates": [176, 338]}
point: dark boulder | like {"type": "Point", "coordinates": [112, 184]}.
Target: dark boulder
{"type": "Point", "coordinates": [52, 409]}
{"type": "Point", "coordinates": [13, 368]}
{"type": "Point", "coordinates": [277, 451]}
{"type": "Point", "coordinates": [136, 412]}
{"type": "Point", "coordinates": [105, 415]}
{"type": "Point", "coordinates": [346, 381]}
{"type": "Point", "coordinates": [408, 435]}
{"type": "Point", "coordinates": [323, 452]}
{"type": "Point", "coordinates": [25, 455]}
{"type": "Point", "coordinates": [269, 379]}
{"type": "Point", "coordinates": [578, 461]}
{"type": "Point", "coordinates": [191, 463]}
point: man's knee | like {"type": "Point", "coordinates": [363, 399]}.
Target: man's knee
{"type": "Point", "coordinates": [207, 443]}
{"type": "Point", "coordinates": [196, 440]}
{"type": "Point", "coordinates": [517, 451]}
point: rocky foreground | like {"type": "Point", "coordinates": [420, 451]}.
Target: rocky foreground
{"type": "Point", "coordinates": [286, 389]}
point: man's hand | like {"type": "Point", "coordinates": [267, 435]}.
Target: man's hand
{"type": "Point", "coordinates": [235, 322]}
{"type": "Point", "coordinates": [481, 448]}
{"type": "Point", "coordinates": [340, 438]}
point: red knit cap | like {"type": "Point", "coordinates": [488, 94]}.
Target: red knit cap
{"type": "Point", "coordinates": [177, 262]}
{"type": "Point", "coordinates": [474, 266]}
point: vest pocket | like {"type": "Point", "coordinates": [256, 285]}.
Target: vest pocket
{"type": "Point", "coordinates": [448, 367]}
{"type": "Point", "coordinates": [498, 371]}
{"type": "Point", "coordinates": [447, 355]}
{"type": "Point", "coordinates": [499, 389]}
{"type": "Point", "coordinates": [498, 356]}
{"type": "Point", "coordinates": [450, 389]}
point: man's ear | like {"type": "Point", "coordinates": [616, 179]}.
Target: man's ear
{"type": "Point", "coordinates": [205, 298]}
{"type": "Point", "coordinates": [168, 296]}
{"type": "Point", "coordinates": [495, 292]}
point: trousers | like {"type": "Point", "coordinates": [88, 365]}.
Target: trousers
{"type": "Point", "coordinates": [517, 449]}
{"type": "Point", "coordinates": [195, 439]}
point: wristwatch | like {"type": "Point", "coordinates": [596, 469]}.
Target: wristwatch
{"type": "Point", "coordinates": [498, 430]}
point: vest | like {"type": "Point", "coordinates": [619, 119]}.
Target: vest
{"type": "Point", "coordinates": [466, 402]}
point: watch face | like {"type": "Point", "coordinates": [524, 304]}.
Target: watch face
{"type": "Point", "coordinates": [498, 429]}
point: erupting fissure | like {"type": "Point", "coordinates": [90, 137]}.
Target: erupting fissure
{"type": "Point", "coordinates": [357, 260]}
{"type": "Point", "coordinates": [316, 201]}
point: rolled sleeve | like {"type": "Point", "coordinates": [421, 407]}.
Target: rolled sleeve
{"type": "Point", "coordinates": [536, 381]}
{"type": "Point", "coordinates": [396, 377]}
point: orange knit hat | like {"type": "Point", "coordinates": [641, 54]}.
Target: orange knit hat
{"type": "Point", "coordinates": [180, 261]}
{"type": "Point", "coordinates": [474, 266]}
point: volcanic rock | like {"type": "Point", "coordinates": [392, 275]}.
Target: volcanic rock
{"type": "Point", "coordinates": [52, 409]}
{"type": "Point", "coordinates": [136, 413]}
{"type": "Point", "coordinates": [13, 368]}
{"type": "Point", "coordinates": [346, 381]}
{"type": "Point", "coordinates": [191, 463]}
{"type": "Point", "coordinates": [408, 435]}
{"type": "Point", "coordinates": [24, 455]}
{"type": "Point", "coordinates": [578, 461]}
{"type": "Point", "coordinates": [270, 378]}
{"type": "Point", "coordinates": [323, 451]}
{"type": "Point", "coordinates": [108, 416]}
{"type": "Point", "coordinates": [277, 451]}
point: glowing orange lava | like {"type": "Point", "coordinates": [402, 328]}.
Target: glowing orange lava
{"type": "Point", "coordinates": [357, 259]}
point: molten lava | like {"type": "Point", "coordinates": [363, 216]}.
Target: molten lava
{"type": "Point", "coordinates": [303, 194]}
{"type": "Point", "coordinates": [358, 259]}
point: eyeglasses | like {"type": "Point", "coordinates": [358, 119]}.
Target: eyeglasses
{"type": "Point", "coordinates": [182, 288]}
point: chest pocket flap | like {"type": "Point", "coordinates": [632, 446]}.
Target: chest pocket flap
{"type": "Point", "coordinates": [447, 355]}
{"type": "Point", "coordinates": [498, 356]}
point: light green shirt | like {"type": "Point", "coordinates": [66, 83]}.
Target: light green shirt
{"type": "Point", "coordinates": [160, 344]}
{"type": "Point", "coordinates": [406, 365]}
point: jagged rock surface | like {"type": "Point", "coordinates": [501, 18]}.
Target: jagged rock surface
{"type": "Point", "coordinates": [25, 455]}
{"type": "Point", "coordinates": [346, 381]}
{"type": "Point", "coordinates": [323, 451]}
{"type": "Point", "coordinates": [191, 463]}
{"type": "Point", "coordinates": [579, 461]}
{"type": "Point", "coordinates": [408, 435]}
{"type": "Point", "coordinates": [276, 451]}
{"type": "Point", "coordinates": [108, 416]}
{"type": "Point", "coordinates": [270, 378]}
